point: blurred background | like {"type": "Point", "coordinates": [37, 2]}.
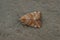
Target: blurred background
{"type": "Point", "coordinates": [11, 29]}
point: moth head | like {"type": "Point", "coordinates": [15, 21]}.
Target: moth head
{"type": "Point", "coordinates": [22, 19]}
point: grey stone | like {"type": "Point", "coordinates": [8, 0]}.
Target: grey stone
{"type": "Point", "coordinates": [12, 29]}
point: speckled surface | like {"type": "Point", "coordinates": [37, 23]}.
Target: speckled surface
{"type": "Point", "coordinates": [11, 29]}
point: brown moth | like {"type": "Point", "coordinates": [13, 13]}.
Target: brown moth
{"type": "Point", "coordinates": [32, 19]}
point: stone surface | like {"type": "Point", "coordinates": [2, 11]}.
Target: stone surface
{"type": "Point", "coordinates": [11, 29]}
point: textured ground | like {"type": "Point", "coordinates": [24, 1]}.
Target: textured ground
{"type": "Point", "coordinates": [11, 29]}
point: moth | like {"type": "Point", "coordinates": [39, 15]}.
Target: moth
{"type": "Point", "coordinates": [32, 19]}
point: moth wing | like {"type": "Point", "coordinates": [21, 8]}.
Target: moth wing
{"type": "Point", "coordinates": [37, 24]}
